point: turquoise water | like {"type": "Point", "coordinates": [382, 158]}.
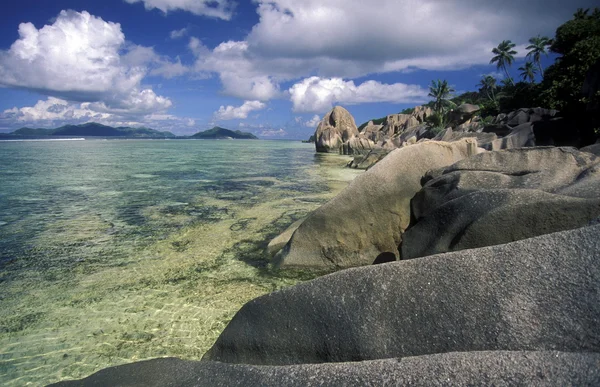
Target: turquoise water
{"type": "Point", "coordinates": [121, 250]}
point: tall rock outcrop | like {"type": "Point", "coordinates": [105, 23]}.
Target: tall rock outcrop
{"type": "Point", "coordinates": [336, 128]}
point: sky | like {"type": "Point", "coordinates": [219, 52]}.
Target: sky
{"type": "Point", "coordinates": [270, 67]}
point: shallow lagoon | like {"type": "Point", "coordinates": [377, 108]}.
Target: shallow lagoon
{"type": "Point", "coordinates": [116, 251]}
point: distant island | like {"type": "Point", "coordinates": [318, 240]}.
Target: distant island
{"type": "Point", "coordinates": [218, 133]}
{"type": "Point", "coordinates": [98, 130]}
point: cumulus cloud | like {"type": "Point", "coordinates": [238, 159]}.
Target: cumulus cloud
{"type": "Point", "coordinates": [392, 30]}
{"type": "Point", "coordinates": [241, 112]}
{"type": "Point", "coordinates": [220, 9]}
{"type": "Point", "coordinates": [176, 34]}
{"type": "Point", "coordinates": [352, 38]}
{"type": "Point", "coordinates": [313, 122]}
{"type": "Point", "coordinates": [81, 58]}
{"type": "Point", "coordinates": [53, 112]}
{"type": "Point", "coordinates": [273, 133]}
{"type": "Point", "coordinates": [316, 94]}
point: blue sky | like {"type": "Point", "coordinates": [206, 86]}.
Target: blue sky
{"type": "Point", "coordinates": [273, 67]}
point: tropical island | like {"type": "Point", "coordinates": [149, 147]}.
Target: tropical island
{"type": "Point", "coordinates": [93, 129]}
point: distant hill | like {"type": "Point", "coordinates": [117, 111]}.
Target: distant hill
{"type": "Point", "coordinates": [92, 129]}
{"type": "Point", "coordinates": [222, 133]}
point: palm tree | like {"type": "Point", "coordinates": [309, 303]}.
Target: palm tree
{"type": "Point", "coordinates": [440, 90]}
{"type": "Point", "coordinates": [505, 55]}
{"type": "Point", "coordinates": [537, 47]}
{"type": "Point", "coordinates": [488, 84]}
{"type": "Point", "coordinates": [528, 72]}
{"type": "Point", "coordinates": [581, 13]}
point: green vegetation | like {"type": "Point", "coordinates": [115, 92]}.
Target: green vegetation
{"type": "Point", "coordinates": [528, 72]}
{"type": "Point", "coordinates": [504, 55]}
{"type": "Point", "coordinates": [222, 133]}
{"type": "Point", "coordinates": [91, 129]}
{"type": "Point", "coordinates": [577, 44]}
{"type": "Point", "coordinates": [537, 47]}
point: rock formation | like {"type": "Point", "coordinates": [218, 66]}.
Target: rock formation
{"type": "Point", "coordinates": [539, 294]}
{"type": "Point", "coordinates": [458, 368]}
{"type": "Point", "coordinates": [500, 197]}
{"type": "Point", "coordinates": [336, 128]}
{"type": "Point", "coordinates": [368, 217]}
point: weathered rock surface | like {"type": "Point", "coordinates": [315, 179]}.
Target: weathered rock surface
{"type": "Point", "coordinates": [525, 115]}
{"type": "Point", "coordinates": [499, 197]}
{"type": "Point", "coordinates": [282, 239]}
{"type": "Point", "coordinates": [336, 128]}
{"type": "Point", "coordinates": [483, 139]}
{"type": "Point", "coordinates": [470, 368]}
{"type": "Point", "coordinates": [368, 217]}
{"type": "Point", "coordinates": [519, 137]}
{"type": "Point", "coordinates": [373, 132]}
{"type": "Point", "coordinates": [463, 113]}
{"type": "Point", "coordinates": [358, 145]}
{"type": "Point", "coordinates": [538, 294]}
{"type": "Point", "coordinates": [398, 123]}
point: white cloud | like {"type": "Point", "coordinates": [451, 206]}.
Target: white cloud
{"type": "Point", "coordinates": [241, 112]}
{"type": "Point", "coordinates": [82, 58]}
{"type": "Point", "coordinates": [313, 122]}
{"type": "Point", "coordinates": [273, 133]}
{"type": "Point", "coordinates": [176, 34]}
{"type": "Point", "coordinates": [316, 94]}
{"type": "Point", "coordinates": [220, 9]}
{"type": "Point", "coordinates": [352, 38]}
{"type": "Point", "coordinates": [53, 112]}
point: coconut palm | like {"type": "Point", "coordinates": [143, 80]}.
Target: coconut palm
{"type": "Point", "coordinates": [441, 91]}
{"type": "Point", "coordinates": [581, 13]}
{"type": "Point", "coordinates": [488, 84]}
{"type": "Point", "coordinates": [537, 47]}
{"type": "Point", "coordinates": [504, 55]}
{"type": "Point", "coordinates": [528, 72]}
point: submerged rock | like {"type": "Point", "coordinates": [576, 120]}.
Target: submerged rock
{"type": "Point", "coordinates": [369, 216]}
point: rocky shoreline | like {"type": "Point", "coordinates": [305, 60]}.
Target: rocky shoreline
{"type": "Point", "coordinates": [469, 256]}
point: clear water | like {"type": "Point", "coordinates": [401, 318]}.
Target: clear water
{"type": "Point", "coordinates": [116, 251]}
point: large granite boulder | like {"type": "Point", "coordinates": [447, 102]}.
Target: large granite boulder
{"type": "Point", "coordinates": [538, 294]}
{"type": "Point", "coordinates": [359, 145]}
{"type": "Point", "coordinates": [398, 123]}
{"type": "Point", "coordinates": [421, 113]}
{"type": "Point", "coordinates": [525, 115]}
{"type": "Point", "coordinates": [499, 197]}
{"type": "Point", "coordinates": [368, 217]}
{"type": "Point", "coordinates": [463, 113]}
{"type": "Point", "coordinates": [373, 132]}
{"type": "Point", "coordinates": [520, 136]}
{"type": "Point", "coordinates": [457, 368]}
{"type": "Point", "coordinates": [336, 128]}
{"type": "Point", "coordinates": [483, 139]}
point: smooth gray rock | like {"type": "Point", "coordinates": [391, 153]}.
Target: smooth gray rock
{"type": "Point", "coordinates": [368, 217]}
{"type": "Point", "coordinates": [499, 197]}
{"type": "Point", "coordinates": [537, 294]}
{"type": "Point", "coordinates": [468, 368]}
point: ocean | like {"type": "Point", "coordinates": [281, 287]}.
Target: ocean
{"type": "Point", "coordinates": [113, 251]}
